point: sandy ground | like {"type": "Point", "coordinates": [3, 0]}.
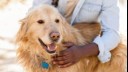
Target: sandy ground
{"type": "Point", "coordinates": [9, 25]}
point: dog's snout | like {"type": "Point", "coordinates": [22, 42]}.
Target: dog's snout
{"type": "Point", "coordinates": [54, 36]}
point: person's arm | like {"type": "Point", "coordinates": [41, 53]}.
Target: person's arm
{"type": "Point", "coordinates": [72, 55]}
{"type": "Point", "coordinates": [110, 27]}
{"type": "Point", "coordinates": [102, 44]}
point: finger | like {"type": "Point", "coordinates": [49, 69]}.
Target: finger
{"type": "Point", "coordinates": [68, 44]}
{"type": "Point", "coordinates": [63, 53]}
{"type": "Point", "coordinates": [66, 65]}
{"type": "Point", "coordinates": [61, 58]}
{"type": "Point", "coordinates": [54, 56]}
{"type": "Point", "coordinates": [61, 62]}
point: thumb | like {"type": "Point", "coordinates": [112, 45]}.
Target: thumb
{"type": "Point", "coordinates": [68, 44]}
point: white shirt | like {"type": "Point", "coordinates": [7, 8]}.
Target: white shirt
{"type": "Point", "coordinates": [107, 12]}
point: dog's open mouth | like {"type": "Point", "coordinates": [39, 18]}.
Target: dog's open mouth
{"type": "Point", "coordinates": [51, 48]}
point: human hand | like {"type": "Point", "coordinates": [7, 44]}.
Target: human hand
{"type": "Point", "coordinates": [67, 57]}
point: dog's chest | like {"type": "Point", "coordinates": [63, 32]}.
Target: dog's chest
{"type": "Point", "coordinates": [53, 68]}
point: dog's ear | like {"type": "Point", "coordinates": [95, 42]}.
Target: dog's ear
{"type": "Point", "coordinates": [70, 34]}
{"type": "Point", "coordinates": [66, 29]}
{"type": "Point", "coordinates": [23, 30]}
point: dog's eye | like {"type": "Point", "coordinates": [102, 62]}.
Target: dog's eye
{"type": "Point", "coordinates": [57, 20]}
{"type": "Point", "coordinates": [40, 21]}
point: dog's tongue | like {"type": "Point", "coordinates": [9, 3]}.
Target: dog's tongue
{"type": "Point", "coordinates": [51, 47]}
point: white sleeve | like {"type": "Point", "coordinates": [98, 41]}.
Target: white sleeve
{"type": "Point", "coordinates": [110, 27]}
{"type": "Point", "coordinates": [38, 2]}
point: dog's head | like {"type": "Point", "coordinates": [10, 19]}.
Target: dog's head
{"type": "Point", "coordinates": [46, 26]}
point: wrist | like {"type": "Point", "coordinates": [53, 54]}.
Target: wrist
{"type": "Point", "coordinates": [89, 50]}
{"type": "Point", "coordinates": [96, 48]}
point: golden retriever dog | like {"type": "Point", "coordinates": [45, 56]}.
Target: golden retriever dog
{"type": "Point", "coordinates": [42, 34]}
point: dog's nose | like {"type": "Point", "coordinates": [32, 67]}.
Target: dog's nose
{"type": "Point", "coordinates": [54, 36]}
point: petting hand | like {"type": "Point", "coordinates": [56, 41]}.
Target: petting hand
{"type": "Point", "coordinates": [74, 53]}
{"type": "Point", "coordinates": [67, 57]}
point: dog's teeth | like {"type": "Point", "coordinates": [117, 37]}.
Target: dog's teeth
{"type": "Point", "coordinates": [48, 48]}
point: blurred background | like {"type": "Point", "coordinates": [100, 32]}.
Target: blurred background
{"type": "Point", "coordinates": [11, 11]}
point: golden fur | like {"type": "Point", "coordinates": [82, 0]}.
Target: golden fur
{"type": "Point", "coordinates": [31, 54]}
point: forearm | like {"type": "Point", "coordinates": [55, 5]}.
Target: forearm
{"type": "Point", "coordinates": [89, 50]}
{"type": "Point", "coordinates": [107, 42]}
{"type": "Point", "coordinates": [109, 18]}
